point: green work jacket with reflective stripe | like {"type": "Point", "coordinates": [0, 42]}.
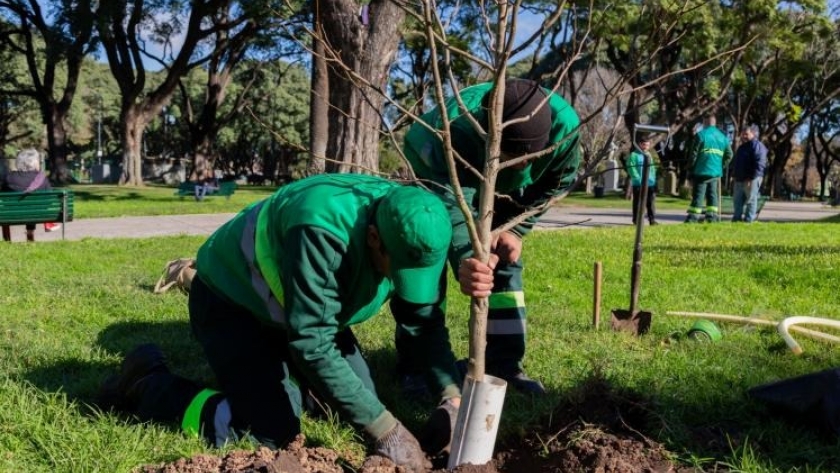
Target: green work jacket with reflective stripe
{"type": "Point", "coordinates": [311, 242]}
{"type": "Point", "coordinates": [635, 168]}
{"type": "Point", "coordinates": [711, 152]}
{"type": "Point", "coordinates": [542, 179]}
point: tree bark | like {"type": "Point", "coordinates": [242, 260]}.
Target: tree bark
{"type": "Point", "coordinates": [318, 102]}
{"type": "Point", "coordinates": [365, 45]}
{"type": "Point", "coordinates": [134, 124]}
{"type": "Point", "coordinates": [57, 145]}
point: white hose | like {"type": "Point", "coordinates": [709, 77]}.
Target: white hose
{"type": "Point", "coordinates": [757, 321]}
{"type": "Point", "coordinates": [785, 326]}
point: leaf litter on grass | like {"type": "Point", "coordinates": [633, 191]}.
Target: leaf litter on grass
{"type": "Point", "coordinates": [597, 429]}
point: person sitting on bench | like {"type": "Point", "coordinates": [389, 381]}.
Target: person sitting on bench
{"type": "Point", "coordinates": [205, 184]}
{"type": "Point", "coordinates": [27, 178]}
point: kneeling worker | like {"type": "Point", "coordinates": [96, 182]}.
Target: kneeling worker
{"type": "Point", "coordinates": [276, 291]}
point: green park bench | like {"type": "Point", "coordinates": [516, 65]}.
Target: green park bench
{"type": "Point", "coordinates": [225, 188]}
{"type": "Point", "coordinates": [20, 208]}
{"type": "Point", "coordinates": [727, 207]}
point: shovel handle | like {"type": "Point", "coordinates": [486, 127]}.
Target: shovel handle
{"type": "Point", "coordinates": [636, 270]}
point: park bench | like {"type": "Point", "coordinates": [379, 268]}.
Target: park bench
{"type": "Point", "coordinates": [225, 188]}
{"type": "Point", "coordinates": [728, 207]}
{"type": "Point", "coordinates": [20, 208]}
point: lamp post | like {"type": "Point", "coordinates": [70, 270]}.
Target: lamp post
{"type": "Point", "coordinates": [99, 132]}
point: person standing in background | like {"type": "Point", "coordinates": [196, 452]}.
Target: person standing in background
{"type": "Point", "coordinates": [709, 154]}
{"type": "Point", "coordinates": [635, 169]}
{"type": "Point", "coordinates": [747, 173]}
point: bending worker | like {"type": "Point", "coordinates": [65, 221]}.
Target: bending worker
{"type": "Point", "coordinates": [276, 291]}
{"type": "Point", "coordinates": [552, 123]}
{"type": "Point", "coordinates": [710, 153]}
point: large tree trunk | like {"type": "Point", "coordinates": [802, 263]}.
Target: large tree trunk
{"type": "Point", "coordinates": [202, 156]}
{"type": "Point", "coordinates": [57, 146]}
{"type": "Point", "coordinates": [132, 142]}
{"type": "Point", "coordinates": [366, 45]}
{"type": "Point", "coordinates": [318, 105]}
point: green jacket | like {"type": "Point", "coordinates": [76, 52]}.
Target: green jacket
{"type": "Point", "coordinates": [529, 187]}
{"type": "Point", "coordinates": [710, 153]}
{"type": "Point", "coordinates": [300, 259]}
{"type": "Point", "coordinates": [635, 168]}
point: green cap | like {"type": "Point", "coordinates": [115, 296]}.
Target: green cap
{"type": "Point", "coordinates": [415, 229]}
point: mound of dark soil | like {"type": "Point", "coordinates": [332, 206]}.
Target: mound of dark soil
{"type": "Point", "coordinates": [598, 429]}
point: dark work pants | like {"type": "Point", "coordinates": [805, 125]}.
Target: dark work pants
{"type": "Point", "coordinates": [650, 205]}
{"type": "Point", "coordinates": [704, 189]}
{"type": "Point", "coordinates": [252, 365]}
{"type": "Point", "coordinates": [506, 323]}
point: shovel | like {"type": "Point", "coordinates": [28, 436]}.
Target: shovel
{"type": "Point", "coordinates": [634, 320]}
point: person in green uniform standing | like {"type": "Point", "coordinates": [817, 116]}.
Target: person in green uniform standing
{"type": "Point", "coordinates": [550, 122]}
{"type": "Point", "coordinates": [710, 152]}
{"type": "Point", "coordinates": [635, 169]}
{"type": "Point", "coordinates": [276, 292]}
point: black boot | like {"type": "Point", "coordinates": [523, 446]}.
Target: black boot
{"type": "Point", "coordinates": [517, 379]}
{"type": "Point", "coordinates": [145, 387]}
{"type": "Point", "coordinates": [523, 383]}
{"type": "Point", "coordinates": [140, 363]}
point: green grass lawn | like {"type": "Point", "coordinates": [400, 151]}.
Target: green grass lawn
{"type": "Point", "coordinates": [72, 309]}
{"type": "Point", "coordinates": [98, 201]}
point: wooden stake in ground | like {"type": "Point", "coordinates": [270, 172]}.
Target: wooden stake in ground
{"type": "Point", "coordinates": [596, 299]}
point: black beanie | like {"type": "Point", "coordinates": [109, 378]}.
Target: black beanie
{"type": "Point", "coordinates": [522, 97]}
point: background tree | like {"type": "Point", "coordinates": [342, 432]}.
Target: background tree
{"type": "Point", "coordinates": [787, 77]}
{"type": "Point", "coordinates": [204, 118]}
{"type": "Point", "coordinates": [13, 105]}
{"type": "Point", "coordinates": [267, 141]}
{"type": "Point", "coordinates": [128, 29]}
{"type": "Point", "coordinates": [53, 45]}
{"type": "Point", "coordinates": [823, 144]}
{"type": "Point", "coordinates": [360, 42]}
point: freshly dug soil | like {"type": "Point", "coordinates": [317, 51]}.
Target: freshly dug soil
{"type": "Point", "coordinates": [598, 430]}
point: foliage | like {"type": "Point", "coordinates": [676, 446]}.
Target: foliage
{"type": "Point", "coordinates": [674, 53]}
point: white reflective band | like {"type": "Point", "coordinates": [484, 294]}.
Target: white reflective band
{"type": "Point", "coordinates": [221, 423]}
{"type": "Point", "coordinates": [246, 244]}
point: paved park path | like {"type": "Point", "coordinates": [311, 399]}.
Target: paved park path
{"type": "Point", "coordinates": [556, 218]}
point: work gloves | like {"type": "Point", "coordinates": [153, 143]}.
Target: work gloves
{"type": "Point", "coordinates": [403, 449]}
{"type": "Point", "coordinates": [436, 437]}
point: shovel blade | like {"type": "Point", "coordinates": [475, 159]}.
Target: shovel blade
{"type": "Point", "coordinates": [637, 323]}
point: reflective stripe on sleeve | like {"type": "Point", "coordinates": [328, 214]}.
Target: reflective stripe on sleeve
{"type": "Point", "coordinates": [507, 300]}
{"type": "Point", "coordinates": [258, 282]}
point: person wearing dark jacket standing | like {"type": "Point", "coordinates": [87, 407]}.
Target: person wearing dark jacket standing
{"type": "Point", "coordinates": [27, 177]}
{"type": "Point", "coordinates": [709, 154]}
{"type": "Point", "coordinates": [747, 173]}
{"type": "Point", "coordinates": [276, 292]}
{"type": "Point", "coordinates": [548, 121]}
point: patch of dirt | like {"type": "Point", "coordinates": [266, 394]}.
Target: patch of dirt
{"type": "Point", "coordinates": [598, 429]}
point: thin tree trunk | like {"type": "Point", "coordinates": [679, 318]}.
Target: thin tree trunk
{"type": "Point", "coordinates": [807, 158]}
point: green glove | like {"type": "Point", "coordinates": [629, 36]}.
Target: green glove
{"type": "Point", "coordinates": [403, 449]}
{"type": "Point", "coordinates": [436, 437]}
